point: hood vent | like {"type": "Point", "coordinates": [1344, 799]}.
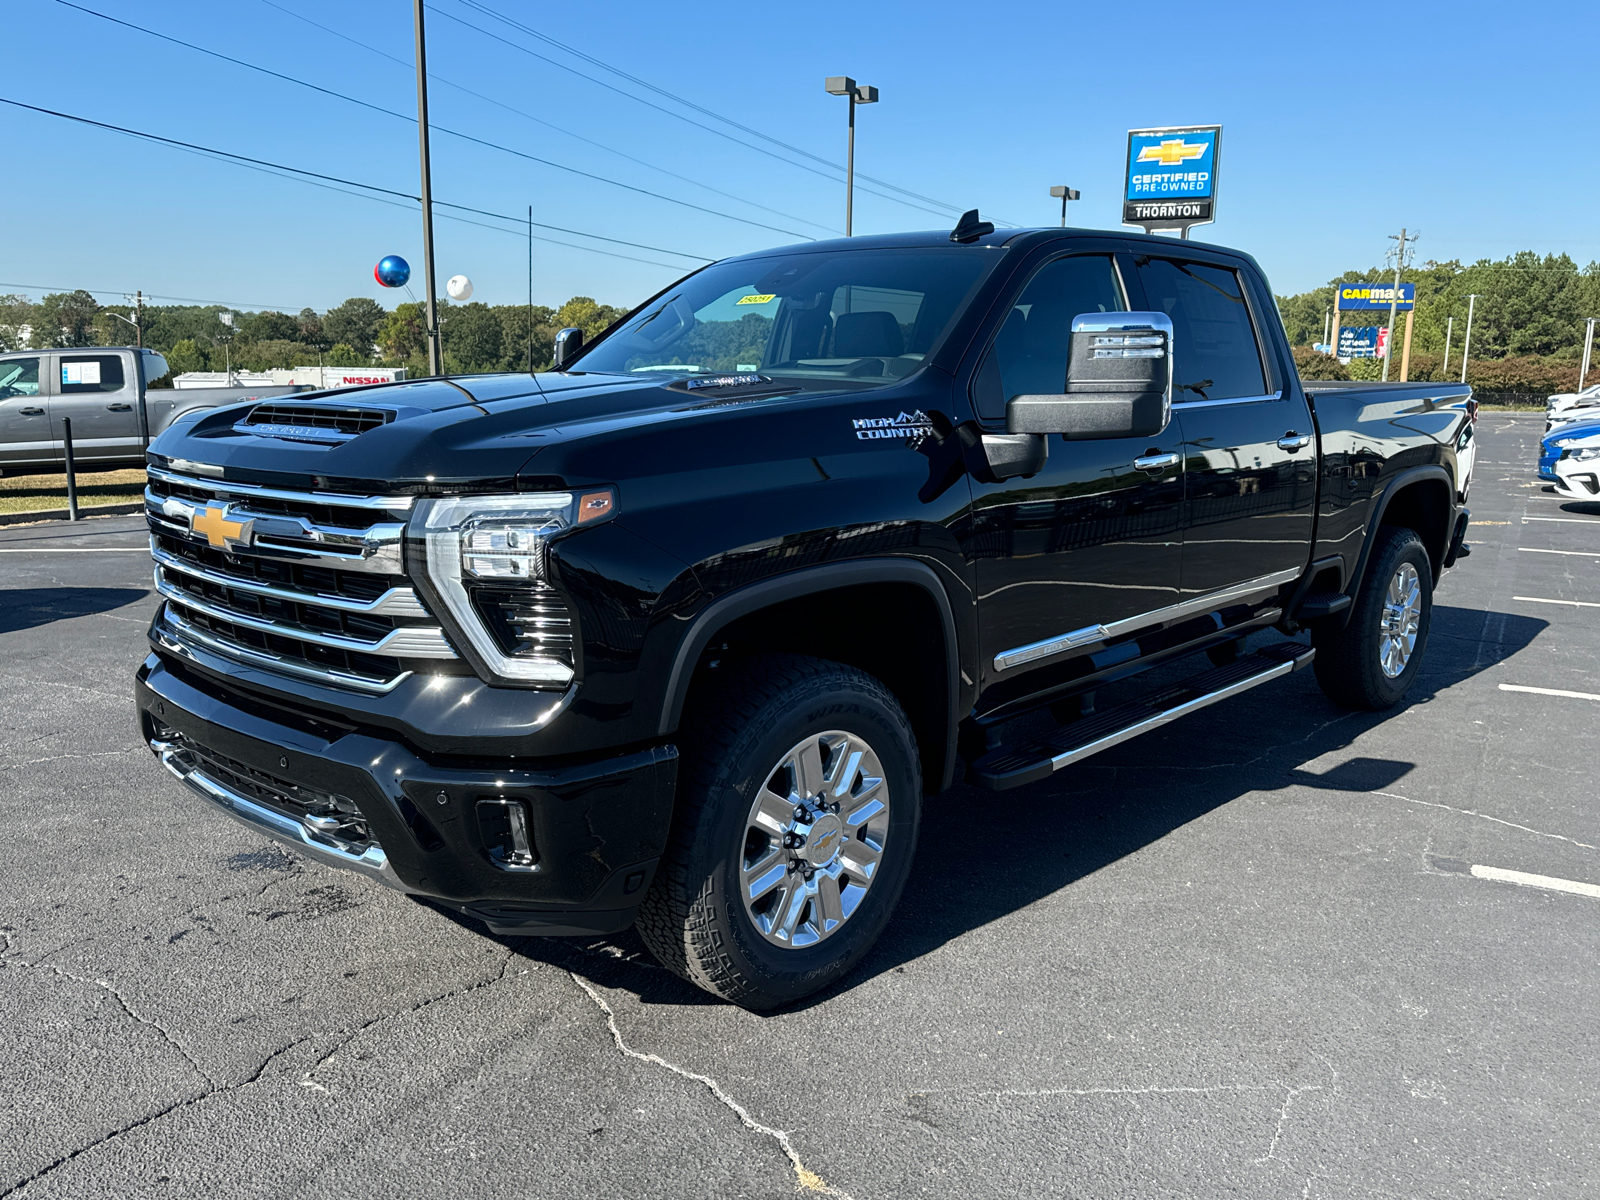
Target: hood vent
{"type": "Point", "coordinates": [324, 424]}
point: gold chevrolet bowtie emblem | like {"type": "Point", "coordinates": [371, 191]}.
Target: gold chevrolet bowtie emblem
{"type": "Point", "coordinates": [1172, 153]}
{"type": "Point", "coordinates": [219, 531]}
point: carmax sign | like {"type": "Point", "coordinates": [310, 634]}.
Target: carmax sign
{"type": "Point", "coordinates": [1376, 295]}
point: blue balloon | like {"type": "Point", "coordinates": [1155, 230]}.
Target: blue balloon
{"type": "Point", "coordinates": [392, 271]}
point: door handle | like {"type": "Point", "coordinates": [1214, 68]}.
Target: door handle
{"type": "Point", "coordinates": [119, 408]}
{"type": "Point", "coordinates": [30, 412]}
{"type": "Point", "coordinates": [1156, 462]}
{"type": "Point", "coordinates": [1293, 441]}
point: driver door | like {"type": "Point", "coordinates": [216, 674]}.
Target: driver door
{"type": "Point", "coordinates": [1094, 538]}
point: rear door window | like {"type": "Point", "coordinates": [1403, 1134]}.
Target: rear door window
{"type": "Point", "coordinates": [90, 373]}
{"type": "Point", "coordinates": [1215, 355]}
{"type": "Point", "coordinates": [1029, 355]}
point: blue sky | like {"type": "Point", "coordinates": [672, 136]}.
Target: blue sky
{"type": "Point", "coordinates": [1489, 149]}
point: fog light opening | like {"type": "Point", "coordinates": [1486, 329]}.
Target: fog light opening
{"type": "Point", "coordinates": [507, 829]}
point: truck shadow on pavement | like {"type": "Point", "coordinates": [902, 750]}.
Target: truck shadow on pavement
{"type": "Point", "coordinates": [28, 608]}
{"type": "Point", "coordinates": [983, 856]}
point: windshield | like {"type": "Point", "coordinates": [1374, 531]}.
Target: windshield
{"type": "Point", "coordinates": [839, 319]}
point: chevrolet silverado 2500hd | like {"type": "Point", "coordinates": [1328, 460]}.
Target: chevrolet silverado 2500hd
{"type": "Point", "coordinates": [682, 632]}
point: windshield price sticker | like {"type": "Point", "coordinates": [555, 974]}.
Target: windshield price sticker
{"type": "Point", "coordinates": [767, 299]}
{"type": "Point", "coordinates": [1171, 179]}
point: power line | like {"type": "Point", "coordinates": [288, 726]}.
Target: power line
{"type": "Point", "coordinates": [716, 116]}
{"type": "Point", "coordinates": [246, 160]}
{"type": "Point", "coordinates": [547, 124]}
{"type": "Point", "coordinates": [669, 112]}
{"type": "Point", "coordinates": [45, 287]}
{"type": "Point", "coordinates": [239, 62]}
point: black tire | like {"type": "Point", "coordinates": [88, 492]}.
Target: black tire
{"type": "Point", "coordinates": [1349, 662]}
{"type": "Point", "coordinates": [694, 919]}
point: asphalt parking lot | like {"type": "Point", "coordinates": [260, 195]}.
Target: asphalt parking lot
{"type": "Point", "coordinates": [1276, 950]}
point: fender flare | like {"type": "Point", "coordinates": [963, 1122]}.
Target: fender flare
{"type": "Point", "coordinates": [793, 585]}
{"type": "Point", "coordinates": [1398, 484]}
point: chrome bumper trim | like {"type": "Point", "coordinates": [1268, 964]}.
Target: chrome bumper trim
{"type": "Point", "coordinates": [371, 861]}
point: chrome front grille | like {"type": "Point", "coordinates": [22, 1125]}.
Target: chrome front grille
{"type": "Point", "coordinates": [310, 584]}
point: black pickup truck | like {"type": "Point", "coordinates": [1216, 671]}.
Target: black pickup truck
{"type": "Point", "coordinates": [681, 633]}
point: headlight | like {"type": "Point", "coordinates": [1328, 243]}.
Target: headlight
{"type": "Point", "coordinates": [486, 561]}
{"type": "Point", "coordinates": [1585, 454]}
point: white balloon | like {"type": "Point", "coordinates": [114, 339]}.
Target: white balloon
{"type": "Point", "coordinates": [459, 288]}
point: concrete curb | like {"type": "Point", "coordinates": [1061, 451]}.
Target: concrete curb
{"type": "Point", "coordinates": [60, 514]}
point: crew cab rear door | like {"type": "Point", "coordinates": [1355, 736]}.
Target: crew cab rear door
{"type": "Point", "coordinates": [100, 393]}
{"type": "Point", "coordinates": [1251, 453]}
{"type": "Point", "coordinates": [1092, 539]}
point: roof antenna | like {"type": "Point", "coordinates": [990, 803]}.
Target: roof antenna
{"type": "Point", "coordinates": [969, 229]}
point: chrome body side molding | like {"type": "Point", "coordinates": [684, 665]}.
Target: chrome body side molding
{"type": "Point", "coordinates": [1090, 634]}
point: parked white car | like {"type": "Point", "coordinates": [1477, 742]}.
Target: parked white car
{"type": "Point", "coordinates": [1578, 469]}
{"type": "Point", "coordinates": [1568, 406]}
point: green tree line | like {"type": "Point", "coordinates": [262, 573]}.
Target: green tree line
{"type": "Point", "coordinates": [359, 332]}
{"type": "Point", "coordinates": [1527, 324]}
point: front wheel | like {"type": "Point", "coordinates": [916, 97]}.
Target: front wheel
{"type": "Point", "coordinates": [1372, 662]}
{"type": "Point", "coordinates": [797, 816]}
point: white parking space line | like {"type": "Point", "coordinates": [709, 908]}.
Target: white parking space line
{"type": "Point", "coordinates": [1542, 600]}
{"type": "Point", "coordinates": [1580, 553]}
{"type": "Point", "coordinates": [1548, 882]}
{"type": "Point", "coordinates": [1539, 691]}
{"type": "Point", "coordinates": [1565, 520]}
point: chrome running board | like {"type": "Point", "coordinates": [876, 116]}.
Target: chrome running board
{"type": "Point", "coordinates": [1005, 768]}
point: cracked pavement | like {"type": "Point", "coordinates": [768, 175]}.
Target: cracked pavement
{"type": "Point", "coordinates": [1241, 956]}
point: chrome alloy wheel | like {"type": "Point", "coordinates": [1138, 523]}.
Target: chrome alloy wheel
{"type": "Point", "coordinates": [1397, 623]}
{"type": "Point", "coordinates": [814, 839]}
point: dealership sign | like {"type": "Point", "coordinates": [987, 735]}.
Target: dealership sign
{"type": "Point", "coordinates": [1360, 341]}
{"type": "Point", "coordinates": [1376, 295]}
{"type": "Point", "coordinates": [1171, 180]}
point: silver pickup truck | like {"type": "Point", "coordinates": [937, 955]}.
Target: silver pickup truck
{"type": "Point", "coordinates": [104, 390]}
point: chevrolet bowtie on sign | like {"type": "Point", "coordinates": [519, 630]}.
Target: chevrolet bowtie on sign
{"type": "Point", "coordinates": [220, 530]}
{"type": "Point", "coordinates": [1172, 177]}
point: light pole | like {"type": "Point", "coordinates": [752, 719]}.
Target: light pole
{"type": "Point", "coordinates": [1449, 328]}
{"type": "Point", "coordinates": [1466, 343]}
{"type": "Point", "coordinates": [227, 347]}
{"type": "Point", "coordinates": [1064, 194]}
{"type": "Point", "coordinates": [843, 85]}
{"type": "Point", "coordinates": [435, 366]}
{"type": "Point", "coordinates": [1588, 347]}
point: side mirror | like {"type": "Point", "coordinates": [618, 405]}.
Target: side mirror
{"type": "Point", "coordinates": [1118, 384]}
{"type": "Point", "coordinates": [568, 342]}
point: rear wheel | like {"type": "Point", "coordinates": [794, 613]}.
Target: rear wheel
{"type": "Point", "coordinates": [798, 807]}
{"type": "Point", "coordinates": [1372, 662]}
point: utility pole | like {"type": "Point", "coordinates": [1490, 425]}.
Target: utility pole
{"type": "Point", "coordinates": [530, 289]}
{"type": "Point", "coordinates": [435, 366]}
{"type": "Point", "coordinates": [138, 312]}
{"type": "Point", "coordinates": [1065, 194]}
{"type": "Point", "coordinates": [843, 85]}
{"type": "Point", "coordinates": [1449, 328]}
{"type": "Point", "coordinates": [1588, 347]}
{"type": "Point", "coordinates": [1466, 343]}
{"type": "Point", "coordinates": [1394, 298]}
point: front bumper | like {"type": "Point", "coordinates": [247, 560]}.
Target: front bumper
{"type": "Point", "coordinates": [597, 828]}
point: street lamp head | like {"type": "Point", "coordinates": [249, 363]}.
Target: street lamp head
{"type": "Point", "coordinates": [1064, 193]}
{"type": "Point", "coordinates": [866, 95]}
{"type": "Point", "coordinates": [839, 85]}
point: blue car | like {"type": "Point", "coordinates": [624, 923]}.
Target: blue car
{"type": "Point", "coordinates": [1551, 443]}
